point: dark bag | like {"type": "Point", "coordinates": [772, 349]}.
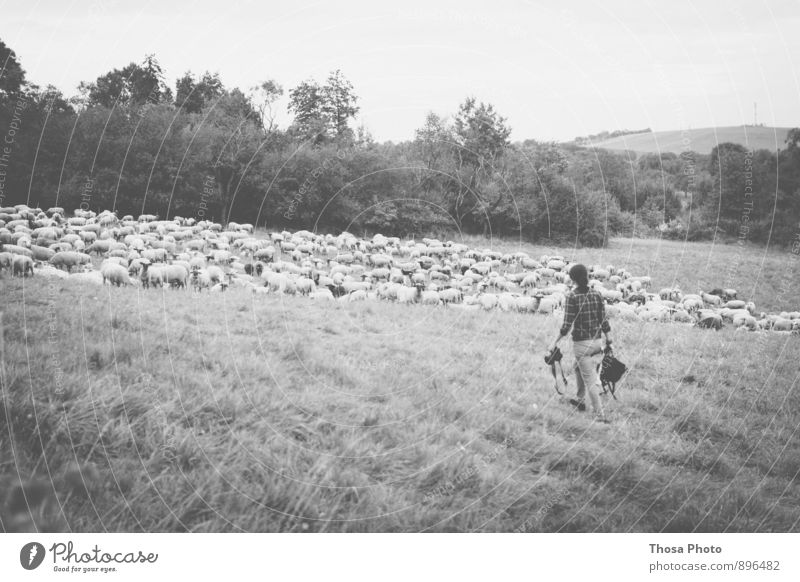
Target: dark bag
{"type": "Point", "coordinates": [611, 371]}
{"type": "Point", "coordinates": [553, 357]}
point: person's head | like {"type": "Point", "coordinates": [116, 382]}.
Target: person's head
{"type": "Point", "coordinates": [579, 275]}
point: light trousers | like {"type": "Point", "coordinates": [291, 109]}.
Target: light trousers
{"type": "Point", "coordinates": [586, 371]}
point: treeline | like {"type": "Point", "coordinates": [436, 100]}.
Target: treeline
{"type": "Point", "coordinates": [130, 142]}
{"type": "Point", "coordinates": [604, 135]}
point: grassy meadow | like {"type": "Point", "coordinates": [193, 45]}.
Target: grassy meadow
{"type": "Point", "coordinates": [235, 412]}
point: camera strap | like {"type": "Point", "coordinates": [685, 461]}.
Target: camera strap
{"type": "Point", "coordinates": [555, 376]}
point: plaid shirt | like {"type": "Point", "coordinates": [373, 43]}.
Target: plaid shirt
{"type": "Point", "coordinates": [588, 314]}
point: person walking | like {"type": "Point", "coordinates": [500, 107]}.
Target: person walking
{"type": "Point", "coordinates": [585, 315]}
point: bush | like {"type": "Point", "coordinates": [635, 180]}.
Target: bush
{"type": "Point", "coordinates": [593, 237]}
{"type": "Point", "coordinates": [622, 223]}
{"type": "Point", "coordinates": [698, 231]}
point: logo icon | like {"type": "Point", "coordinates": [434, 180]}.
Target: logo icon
{"type": "Point", "coordinates": [31, 555]}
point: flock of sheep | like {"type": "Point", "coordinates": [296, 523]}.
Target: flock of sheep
{"type": "Point", "coordinates": [186, 254]}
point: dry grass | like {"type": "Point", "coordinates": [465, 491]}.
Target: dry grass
{"type": "Point", "coordinates": [231, 412]}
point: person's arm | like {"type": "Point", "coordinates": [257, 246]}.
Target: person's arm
{"type": "Point", "coordinates": [570, 313]}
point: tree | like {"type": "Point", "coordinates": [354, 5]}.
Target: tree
{"type": "Point", "coordinates": [306, 102]}
{"type": "Point", "coordinates": [193, 96]}
{"type": "Point", "coordinates": [481, 139]}
{"type": "Point", "coordinates": [339, 104]}
{"type": "Point", "coordinates": [433, 141]}
{"type": "Point", "coordinates": [323, 112]}
{"type": "Point", "coordinates": [727, 166]}
{"type": "Point", "coordinates": [135, 84]}
{"type": "Point", "coordinates": [231, 137]}
{"type": "Point", "coordinates": [263, 97]}
{"type": "Point", "coordinates": [793, 138]}
{"type": "Point", "coordinates": [51, 100]}
{"type": "Point", "coordinates": [12, 75]}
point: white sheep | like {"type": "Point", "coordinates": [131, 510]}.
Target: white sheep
{"type": "Point", "coordinates": [305, 286]}
{"type": "Point", "coordinates": [114, 274]}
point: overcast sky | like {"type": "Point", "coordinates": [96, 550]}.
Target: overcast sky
{"type": "Point", "coordinates": [555, 70]}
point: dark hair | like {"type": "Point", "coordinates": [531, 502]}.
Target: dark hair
{"type": "Point", "coordinates": [580, 275]}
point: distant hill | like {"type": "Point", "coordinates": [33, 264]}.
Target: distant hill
{"type": "Point", "coordinates": [699, 140]}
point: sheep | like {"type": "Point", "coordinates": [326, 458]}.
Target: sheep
{"type": "Point", "coordinates": [407, 294]}
{"type": "Point", "coordinates": [201, 280]}
{"type": "Point", "coordinates": [215, 273]}
{"type": "Point", "coordinates": [746, 321]}
{"type": "Point", "coordinates": [507, 302]}
{"type": "Point", "coordinates": [277, 282]}
{"type": "Point", "coordinates": [782, 324]}
{"type": "Point", "coordinates": [100, 246]}
{"type": "Point", "coordinates": [357, 295]}
{"type": "Point", "coordinates": [174, 275]}
{"type": "Point", "coordinates": [527, 304]}
{"type": "Point", "coordinates": [692, 303]}
{"type": "Point", "coordinates": [42, 253]}
{"type": "Point", "coordinates": [22, 266]}
{"type": "Point", "coordinates": [115, 274]}
{"type": "Point", "coordinates": [16, 250]}
{"type": "Point", "coordinates": [681, 316]}
{"type": "Point", "coordinates": [155, 255]}
{"type": "Point", "coordinates": [6, 260]}
{"type": "Point", "coordinates": [388, 291]}
{"type": "Point", "coordinates": [351, 286]}
{"type": "Point", "coordinates": [429, 297]}
{"type": "Point", "coordinates": [451, 295]}
{"type": "Point", "coordinates": [547, 305]}
{"type": "Point", "coordinates": [707, 319]}
{"type": "Point", "coordinates": [322, 295]}
{"type": "Point", "coordinates": [530, 281]}
{"type": "Point", "coordinates": [488, 301]}
{"type": "Point", "coordinates": [711, 299]}
{"type": "Point", "coordinates": [70, 259]}
{"type": "Point", "coordinates": [151, 276]}
{"type": "Point", "coordinates": [611, 295]}
{"type": "Point", "coordinates": [305, 286]}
